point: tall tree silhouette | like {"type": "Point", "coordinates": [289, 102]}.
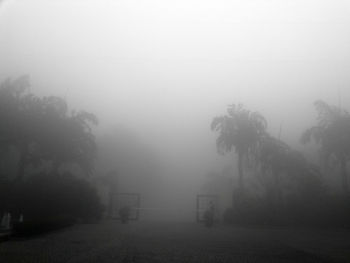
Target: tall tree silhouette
{"type": "Point", "coordinates": [41, 129]}
{"type": "Point", "coordinates": [332, 133]}
{"type": "Point", "coordinates": [18, 119]}
{"type": "Point", "coordinates": [240, 130]}
{"type": "Point", "coordinates": [273, 156]}
{"type": "Point", "coordinates": [278, 159]}
{"type": "Point", "coordinates": [68, 138]}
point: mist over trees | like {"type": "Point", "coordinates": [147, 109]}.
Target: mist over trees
{"type": "Point", "coordinates": [241, 129]}
{"type": "Point", "coordinates": [41, 140]}
{"type": "Point", "coordinates": [129, 165]}
{"type": "Point", "coordinates": [174, 131]}
{"type": "Point", "coordinates": [292, 185]}
{"type": "Point", "coordinates": [38, 137]}
{"type": "Point", "coordinates": [332, 134]}
{"type": "Point", "coordinates": [42, 131]}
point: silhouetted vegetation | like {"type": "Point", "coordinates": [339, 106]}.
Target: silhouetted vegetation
{"type": "Point", "coordinates": [41, 225]}
{"type": "Point", "coordinates": [240, 129]}
{"type": "Point", "coordinates": [332, 132]}
{"type": "Point", "coordinates": [42, 131]}
{"type": "Point", "coordinates": [293, 188]}
{"type": "Point", "coordinates": [49, 196]}
{"type": "Point", "coordinates": [38, 136]}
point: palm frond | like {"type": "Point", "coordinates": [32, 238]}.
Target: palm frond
{"type": "Point", "coordinates": [216, 123]}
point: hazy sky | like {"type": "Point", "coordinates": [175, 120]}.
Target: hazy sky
{"type": "Point", "coordinates": [164, 69]}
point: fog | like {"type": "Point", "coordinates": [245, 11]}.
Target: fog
{"type": "Point", "coordinates": [160, 71]}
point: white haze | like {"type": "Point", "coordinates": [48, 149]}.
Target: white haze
{"type": "Point", "coordinates": [163, 69]}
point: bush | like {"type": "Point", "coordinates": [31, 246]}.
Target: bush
{"type": "Point", "coordinates": [254, 211]}
{"type": "Point", "coordinates": [328, 211]}
{"type": "Point", "coordinates": [46, 197]}
{"type": "Point", "coordinates": [39, 226]}
{"type": "Point", "coordinates": [5, 191]}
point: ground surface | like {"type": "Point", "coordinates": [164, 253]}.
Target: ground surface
{"type": "Point", "coordinates": [178, 242]}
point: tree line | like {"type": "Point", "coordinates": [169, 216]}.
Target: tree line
{"type": "Point", "coordinates": [245, 132]}
{"type": "Point", "coordinates": [38, 137]}
{"type": "Point", "coordinates": [42, 130]}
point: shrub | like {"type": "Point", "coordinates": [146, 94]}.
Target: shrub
{"type": "Point", "coordinates": [46, 197]}
{"type": "Point", "coordinates": [5, 190]}
{"type": "Point", "coordinates": [39, 226]}
{"type": "Point", "coordinates": [328, 211]}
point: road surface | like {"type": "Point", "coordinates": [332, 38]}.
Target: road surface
{"type": "Point", "coordinates": [140, 242]}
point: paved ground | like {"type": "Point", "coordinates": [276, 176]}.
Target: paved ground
{"type": "Point", "coordinates": [181, 242]}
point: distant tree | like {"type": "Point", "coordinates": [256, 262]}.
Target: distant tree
{"type": "Point", "coordinates": [18, 120]}
{"type": "Point", "coordinates": [240, 129]}
{"type": "Point", "coordinates": [305, 175]}
{"type": "Point", "coordinates": [273, 158]}
{"type": "Point", "coordinates": [41, 197]}
{"type": "Point", "coordinates": [68, 138]}
{"type": "Point", "coordinates": [41, 129]}
{"type": "Point", "coordinates": [332, 133]}
{"type": "Point", "coordinates": [278, 159]}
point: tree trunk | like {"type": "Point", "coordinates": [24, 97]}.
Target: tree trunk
{"type": "Point", "coordinates": [344, 175]}
{"type": "Point", "coordinates": [238, 192]}
{"type": "Point", "coordinates": [240, 171]}
{"type": "Point", "coordinates": [22, 163]}
{"type": "Point", "coordinates": [277, 190]}
{"type": "Point", "coordinates": [112, 192]}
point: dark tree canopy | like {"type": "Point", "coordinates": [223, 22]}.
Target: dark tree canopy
{"type": "Point", "coordinates": [282, 162]}
{"type": "Point", "coordinates": [332, 133]}
{"type": "Point", "coordinates": [240, 129]}
{"type": "Point", "coordinates": [43, 130]}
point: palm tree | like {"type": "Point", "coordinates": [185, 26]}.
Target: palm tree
{"type": "Point", "coordinates": [240, 129]}
{"type": "Point", "coordinates": [332, 133]}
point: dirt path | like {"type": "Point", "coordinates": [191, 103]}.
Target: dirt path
{"type": "Point", "coordinates": [180, 242]}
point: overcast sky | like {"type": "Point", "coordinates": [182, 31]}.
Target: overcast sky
{"type": "Point", "coordinates": [165, 68]}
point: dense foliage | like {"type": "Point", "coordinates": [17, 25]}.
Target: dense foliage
{"type": "Point", "coordinates": [240, 129]}
{"type": "Point", "coordinates": [50, 196]}
{"type": "Point", "coordinates": [38, 135]}
{"type": "Point", "coordinates": [42, 131]}
{"type": "Point", "coordinates": [293, 188]}
{"type": "Point", "coordinates": [332, 133]}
